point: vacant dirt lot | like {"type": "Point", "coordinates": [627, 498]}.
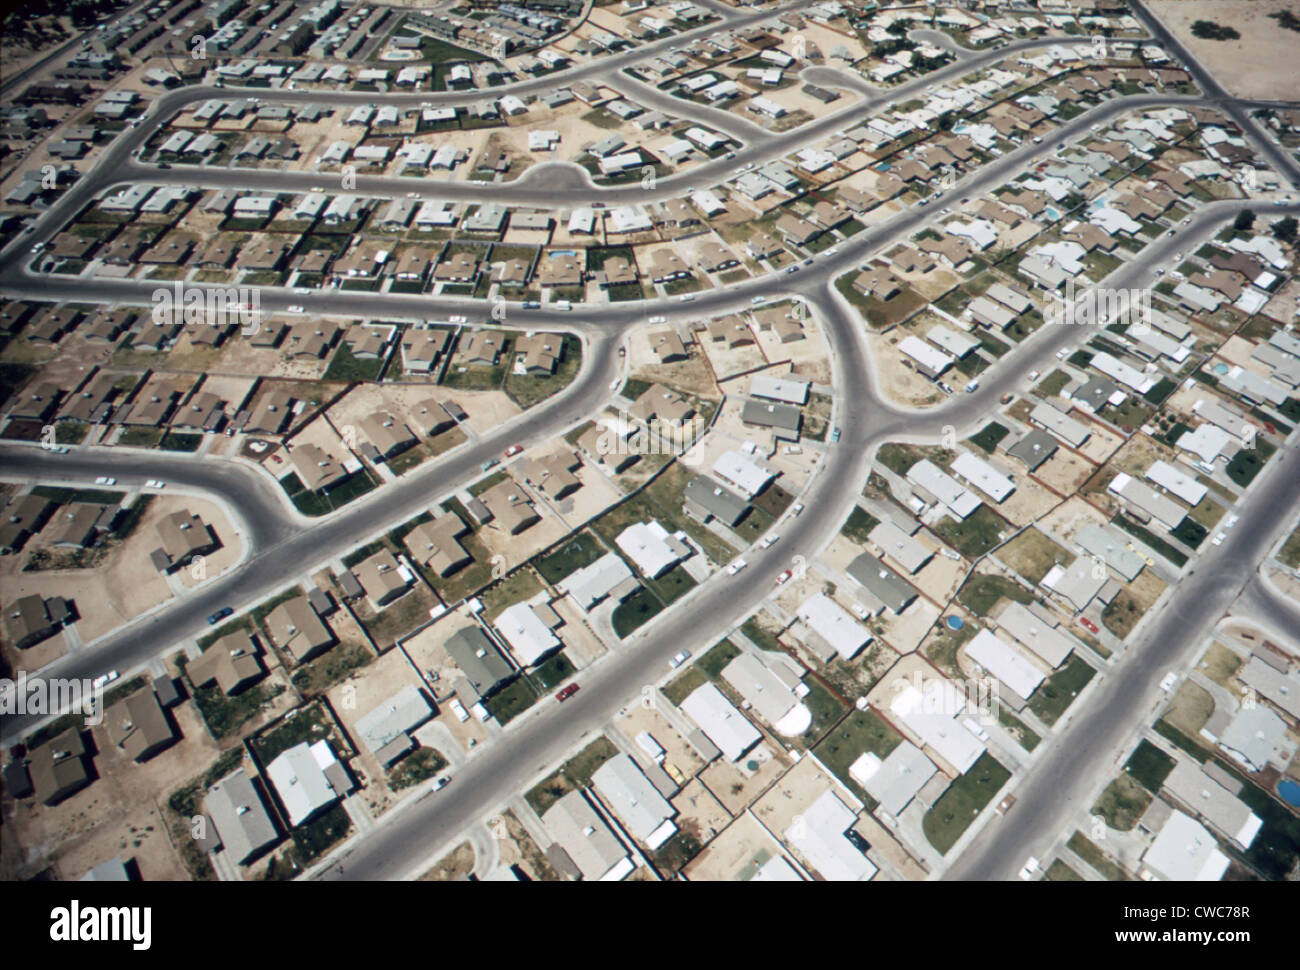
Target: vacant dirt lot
{"type": "Point", "coordinates": [1260, 64]}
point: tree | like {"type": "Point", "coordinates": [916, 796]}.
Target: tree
{"type": "Point", "coordinates": [1245, 219]}
{"type": "Point", "coordinates": [1285, 229]}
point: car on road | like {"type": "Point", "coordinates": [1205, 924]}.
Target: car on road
{"type": "Point", "coordinates": [1060, 354]}
{"type": "Point", "coordinates": [105, 480]}
{"type": "Point", "coordinates": [1038, 139]}
{"type": "Point", "coordinates": [792, 269]}
{"type": "Point", "coordinates": [1160, 271]}
{"type": "Point", "coordinates": [658, 319]}
{"type": "Point", "coordinates": [946, 210]}
{"type": "Point", "coordinates": [924, 202]}
{"type": "Point", "coordinates": [808, 261]}
{"type": "Point", "coordinates": [490, 463]}
{"type": "Point", "coordinates": [835, 434]}
{"type": "Point", "coordinates": [1033, 375]}
{"type": "Point", "coordinates": [830, 252]}
{"type": "Point", "coordinates": [1170, 679]}
{"type": "Point", "coordinates": [1218, 539]}
{"type": "Point", "coordinates": [532, 305]}
{"type": "Point", "coordinates": [566, 692]}
{"type": "Point", "coordinates": [757, 300]}
{"type": "Point", "coordinates": [768, 541]}
{"type": "Point", "coordinates": [1232, 520]}
{"type": "Point", "coordinates": [514, 450]}
{"type": "Point", "coordinates": [38, 249]}
{"type": "Point", "coordinates": [1030, 867]}
{"type": "Point", "coordinates": [220, 615]}
{"type": "Point", "coordinates": [1088, 625]}
{"type": "Point", "coordinates": [164, 164]}
{"type": "Point", "coordinates": [302, 290]}
{"type": "Point", "coordinates": [679, 658]}
{"type": "Point", "coordinates": [972, 387]}
{"type": "Point", "coordinates": [736, 566]}
{"type": "Point", "coordinates": [784, 578]}
{"type": "Point", "coordinates": [155, 483]}
{"type": "Point", "coordinates": [796, 508]}
{"type": "Point", "coordinates": [441, 783]}
{"type": "Point", "coordinates": [686, 297]}
{"type": "Point", "coordinates": [294, 309]}
{"type": "Point", "coordinates": [1004, 806]}
{"type": "Point", "coordinates": [103, 679]}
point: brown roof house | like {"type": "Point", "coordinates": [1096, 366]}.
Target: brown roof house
{"type": "Point", "coordinates": [296, 628]}
{"type": "Point", "coordinates": [437, 545]}
{"type": "Point", "coordinates": [233, 663]}
{"type": "Point", "coordinates": [509, 507]}
{"type": "Point", "coordinates": [138, 725]}
{"type": "Point", "coordinates": [184, 535]}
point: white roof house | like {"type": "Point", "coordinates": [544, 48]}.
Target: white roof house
{"type": "Point", "coordinates": [932, 360]}
{"type": "Point", "coordinates": [592, 846]}
{"type": "Point", "coordinates": [1185, 851]}
{"type": "Point", "coordinates": [832, 623]}
{"type": "Point", "coordinates": [721, 723]}
{"type": "Point", "coordinates": [895, 780]}
{"type": "Point", "coordinates": [299, 777]}
{"type": "Point", "coordinates": [1046, 641]}
{"type": "Point", "coordinates": [1072, 432]}
{"type": "Point", "coordinates": [529, 638]}
{"type": "Point", "coordinates": [651, 548]}
{"type": "Point", "coordinates": [1164, 510]}
{"type": "Point", "coordinates": [1206, 442]}
{"type": "Point", "coordinates": [779, 389]}
{"type": "Point", "coordinates": [742, 473]}
{"type": "Point", "coordinates": [931, 714]}
{"type": "Point", "coordinates": [1172, 480]}
{"type": "Point", "coordinates": [1194, 787]}
{"type": "Point", "coordinates": [593, 582]}
{"type": "Point", "coordinates": [1116, 369]}
{"type": "Point", "coordinates": [393, 720]}
{"type": "Point", "coordinates": [771, 691]}
{"type": "Point", "coordinates": [1005, 663]}
{"type": "Point", "coordinates": [638, 805]}
{"type": "Point", "coordinates": [818, 835]}
{"type": "Point", "coordinates": [943, 487]}
{"type": "Point", "coordinates": [983, 476]}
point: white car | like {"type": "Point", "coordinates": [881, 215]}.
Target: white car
{"type": "Point", "coordinates": [456, 319]}
{"type": "Point", "coordinates": [1033, 375]}
{"type": "Point", "coordinates": [679, 659]}
{"type": "Point", "coordinates": [103, 679]}
{"type": "Point", "coordinates": [736, 566]}
{"type": "Point", "coordinates": [796, 509]}
{"type": "Point", "coordinates": [1060, 354]}
{"type": "Point", "coordinates": [441, 783]}
{"type": "Point", "coordinates": [1218, 539]}
{"type": "Point", "coordinates": [105, 480]}
{"type": "Point", "coordinates": [1232, 520]}
{"type": "Point", "coordinates": [294, 309]}
{"type": "Point", "coordinates": [686, 297]}
{"type": "Point", "coordinates": [1170, 679]}
{"type": "Point", "coordinates": [768, 541]}
{"type": "Point", "coordinates": [155, 483]}
{"type": "Point", "coordinates": [1030, 867]}
{"type": "Point", "coordinates": [302, 290]}
{"type": "Point", "coordinates": [658, 319]}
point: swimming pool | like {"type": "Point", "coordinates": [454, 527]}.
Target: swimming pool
{"type": "Point", "coordinates": [1290, 791]}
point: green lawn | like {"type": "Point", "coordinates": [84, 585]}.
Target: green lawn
{"type": "Point", "coordinates": [1149, 765]}
{"type": "Point", "coordinates": [859, 732]}
{"type": "Point", "coordinates": [1058, 691]}
{"type": "Point", "coordinates": [965, 798]}
{"type": "Point", "coordinates": [634, 611]}
{"type": "Point", "coordinates": [981, 592]}
{"type": "Point", "coordinates": [978, 534]}
{"type": "Point", "coordinates": [580, 550]}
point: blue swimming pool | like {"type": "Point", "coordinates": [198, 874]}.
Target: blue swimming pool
{"type": "Point", "coordinates": [1290, 792]}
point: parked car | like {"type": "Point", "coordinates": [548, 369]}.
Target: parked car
{"type": "Point", "coordinates": [1030, 866]}
{"type": "Point", "coordinates": [566, 692]}
{"type": "Point", "coordinates": [441, 783]}
{"type": "Point", "coordinates": [490, 463]}
{"type": "Point", "coordinates": [514, 450]}
{"type": "Point", "coordinates": [155, 483]}
{"type": "Point", "coordinates": [1088, 625]}
{"type": "Point", "coordinates": [294, 309]}
{"type": "Point", "coordinates": [768, 541]}
{"type": "Point", "coordinates": [220, 615]}
{"type": "Point", "coordinates": [105, 480]}
{"type": "Point", "coordinates": [784, 577]}
{"type": "Point", "coordinates": [658, 319]}
{"type": "Point", "coordinates": [835, 434]}
{"type": "Point", "coordinates": [679, 658]}
{"type": "Point", "coordinates": [103, 679]}
{"type": "Point", "coordinates": [736, 566]}
{"type": "Point", "coordinates": [796, 508]}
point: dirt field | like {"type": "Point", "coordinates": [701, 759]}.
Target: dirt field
{"type": "Point", "coordinates": [1261, 64]}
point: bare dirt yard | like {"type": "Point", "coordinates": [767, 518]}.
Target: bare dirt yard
{"type": "Point", "coordinates": [1259, 64]}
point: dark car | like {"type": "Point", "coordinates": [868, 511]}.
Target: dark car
{"type": "Point", "coordinates": [220, 615]}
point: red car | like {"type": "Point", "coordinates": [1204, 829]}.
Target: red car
{"type": "Point", "coordinates": [1088, 624]}
{"type": "Point", "coordinates": [784, 577]}
{"type": "Point", "coordinates": [514, 450]}
{"type": "Point", "coordinates": [566, 692]}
